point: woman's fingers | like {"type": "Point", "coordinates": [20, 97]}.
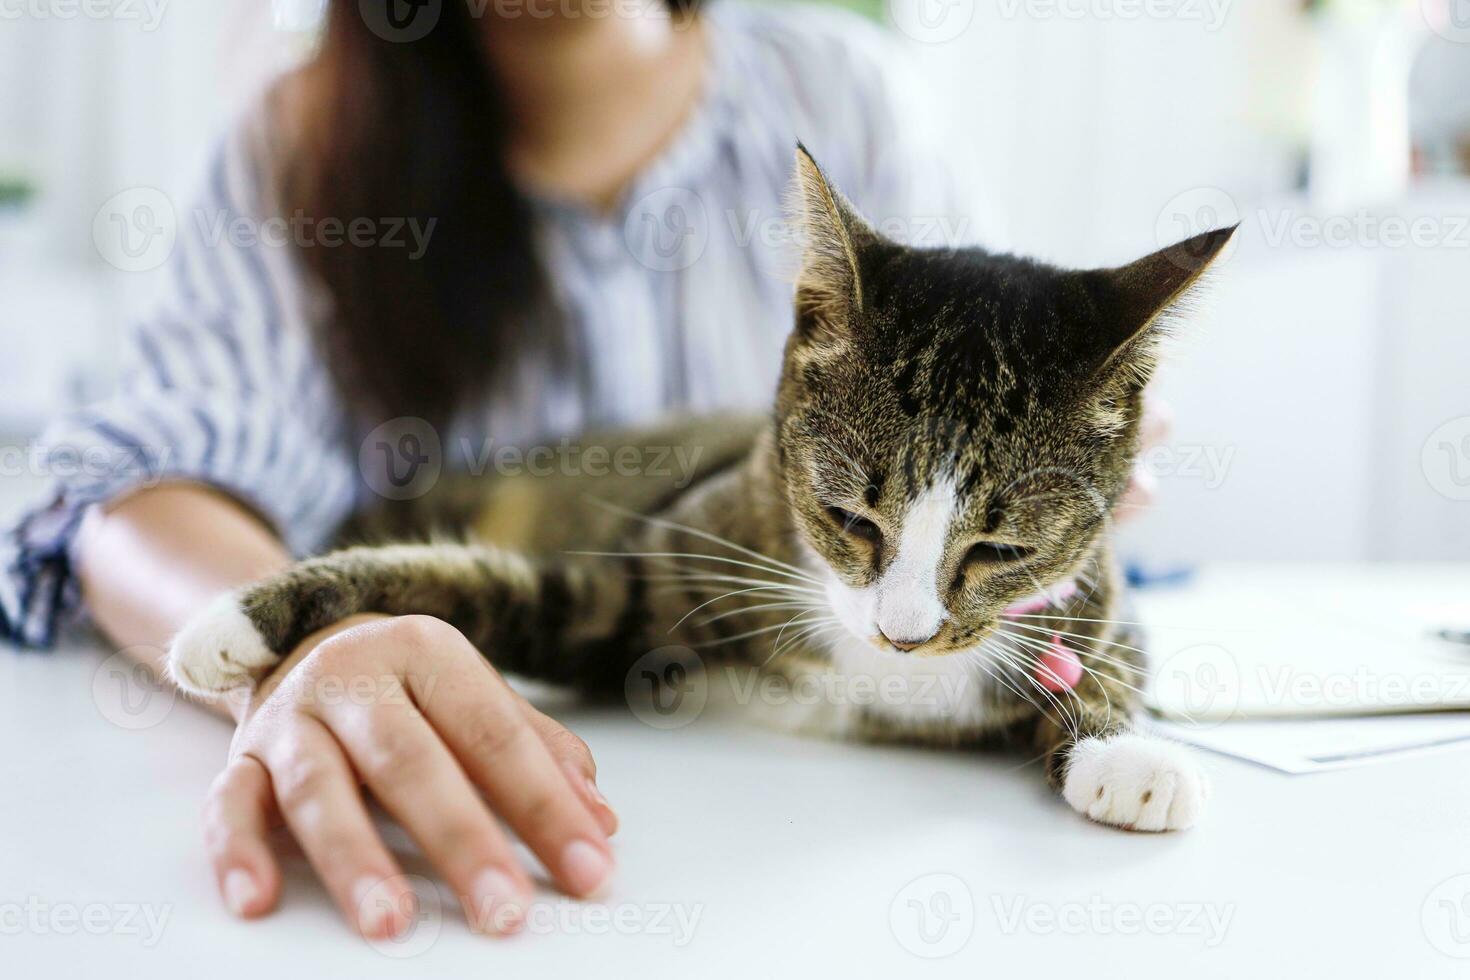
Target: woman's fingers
{"type": "Point", "coordinates": [422, 752]}
{"type": "Point", "coordinates": [237, 817]}
{"type": "Point", "coordinates": [316, 791]}
{"type": "Point", "coordinates": [417, 780]}
{"type": "Point", "coordinates": [576, 763]}
{"type": "Point", "coordinates": [481, 720]}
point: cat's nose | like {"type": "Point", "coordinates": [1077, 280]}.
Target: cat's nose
{"type": "Point", "coordinates": [908, 644]}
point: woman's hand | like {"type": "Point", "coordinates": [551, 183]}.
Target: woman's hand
{"type": "Point", "coordinates": [407, 707]}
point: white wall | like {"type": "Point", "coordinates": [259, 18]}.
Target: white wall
{"type": "Point", "coordinates": [95, 107]}
{"type": "Point", "coordinates": [1314, 372]}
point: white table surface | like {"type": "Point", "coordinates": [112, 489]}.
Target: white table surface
{"type": "Point", "coordinates": [790, 857]}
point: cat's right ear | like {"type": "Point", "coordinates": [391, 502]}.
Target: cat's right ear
{"type": "Point", "coordinates": [1132, 304]}
{"type": "Point", "coordinates": [829, 289]}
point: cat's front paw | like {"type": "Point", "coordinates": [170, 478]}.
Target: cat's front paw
{"type": "Point", "coordinates": [1135, 782]}
{"type": "Point", "coordinates": [219, 650]}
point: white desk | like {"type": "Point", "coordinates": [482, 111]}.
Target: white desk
{"type": "Point", "coordinates": [794, 855]}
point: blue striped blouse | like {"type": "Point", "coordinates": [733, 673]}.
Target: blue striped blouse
{"type": "Point", "coordinates": [679, 299]}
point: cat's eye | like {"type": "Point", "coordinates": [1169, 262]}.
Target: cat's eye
{"type": "Point", "coordinates": [855, 524]}
{"type": "Point", "coordinates": [995, 553]}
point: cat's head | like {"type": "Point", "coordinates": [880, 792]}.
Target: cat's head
{"type": "Point", "coordinates": [954, 427]}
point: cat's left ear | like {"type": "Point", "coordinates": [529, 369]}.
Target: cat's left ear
{"type": "Point", "coordinates": [1133, 303]}
{"type": "Point", "coordinates": [829, 287]}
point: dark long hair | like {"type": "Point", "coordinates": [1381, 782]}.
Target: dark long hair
{"type": "Point", "coordinates": [401, 128]}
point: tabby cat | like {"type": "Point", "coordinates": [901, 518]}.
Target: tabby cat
{"type": "Point", "coordinates": [927, 509]}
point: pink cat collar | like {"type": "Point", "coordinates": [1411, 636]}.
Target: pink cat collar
{"type": "Point", "coordinates": [1058, 669]}
{"type": "Point", "coordinates": [1044, 599]}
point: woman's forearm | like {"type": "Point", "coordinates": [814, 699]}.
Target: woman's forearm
{"type": "Point", "coordinates": [151, 560]}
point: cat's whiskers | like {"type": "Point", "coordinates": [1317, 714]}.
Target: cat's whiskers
{"type": "Point", "coordinates": [1019, 661]}
{"type": "Point", "coordinates": [698, 577]}
{"type": "Point", "coordinates": [979, 663]}
{"type": "Point", "coordinates": [776, 643]}
{"type": "Point", "coordinates": [776, 646]}
{"type": "Point", "coordinates": [1030, 651]}
{"type": "Point", "coordinates": [718, 590]}
{"type": "Point", "coordinates": [998, 677]}
{"type": "Point", "coordinates": [745, 635]}
{"type": "Point", "coordinates": [742, 610]}
{"type": "Point", "coordinates": [1103, 680]}
{"type": "Point", "coordinates": [1091, 651]}
{"type": "Point", "coordinates": [815, 628]}
{"type": "Point", "coordinates": [667, 524]}
{"type": "Point", "coordinates": [1082, 636]}
{"type": "Point", "coordinates": [1076, 619]}
{"type": "Point", "coordinates": [763, 589]}
{"type": "Point", "coordinates": [802, 577]}
{"type": "Point", "coordinates": [997, 648]}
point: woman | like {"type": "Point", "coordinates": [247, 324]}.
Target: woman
{"type": "Point", "coordinates": [583, 200]}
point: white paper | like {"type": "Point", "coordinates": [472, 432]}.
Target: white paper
{"type": "Point", "coordinates": [1253, 642]}
{"type": "Point", "coordinates": [1311, 745]}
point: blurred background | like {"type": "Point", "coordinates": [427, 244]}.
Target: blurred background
{"type": "Point", "coordinates": [1321, 399]}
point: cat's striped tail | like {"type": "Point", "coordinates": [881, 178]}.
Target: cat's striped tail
{"type": "Point", "coordinates": [562, 621]}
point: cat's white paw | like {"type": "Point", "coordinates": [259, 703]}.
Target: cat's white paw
{"type": "Point", "coordinates": [219, 650]}
{"type": "Point", "coordinates": [1136, 782]}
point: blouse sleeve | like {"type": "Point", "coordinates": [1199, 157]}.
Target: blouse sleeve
{"type": "Point", "coordinates": [221, 386]}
